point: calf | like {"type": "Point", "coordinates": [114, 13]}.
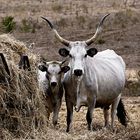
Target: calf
{"type": "Point", "coordinates": [50, 75]}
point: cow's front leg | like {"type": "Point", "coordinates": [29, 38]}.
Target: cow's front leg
{"type": "Point", "coordinates": [90, 112]}
{"type": "Point", "coordinates": [56, 112]}
{"type": "Point", "coordinates": [69, 114]}
{"type": "Point", "coordinates": [106, 117]}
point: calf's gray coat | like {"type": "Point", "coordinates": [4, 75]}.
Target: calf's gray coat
{"type": "Point", "coordinates": [50, 75]}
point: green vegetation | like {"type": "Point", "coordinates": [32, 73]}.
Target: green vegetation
{"type": "Point", "coordinates": [62, 22]}
{"type": "Point", "coordinates": [57, 7]}
{"type": "Point", "coordinates": [126, 17]}
{"type": "Point", "coordinates": [100, 41]}
{"type": "Point", "coordinates": [8, 24]}
{"type": "Point", "coordinates": [27, 26]}
{"type": "Point", "coordinates": [81, 20]}
{"type": "Point", "coordinates": [84, 8]}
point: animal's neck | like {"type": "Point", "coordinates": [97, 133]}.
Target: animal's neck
{"type": "Point", "coordinates": [55, 93]}
{"type": "Point", "coordinates": [76, 81]}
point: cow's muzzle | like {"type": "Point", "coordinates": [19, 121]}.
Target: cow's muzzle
{"type": "Point", "coordinates": [53, 84]}
{"type": "Point", "coordinates": [78, 72]}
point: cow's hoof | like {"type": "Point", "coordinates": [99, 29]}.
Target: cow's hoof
{"type": "Point", "coordinates": [67, 130]}
{"type": "Point", "coordinates": [77, 109]}
{"type": "Point", "coordinates": [54, 123]}
{"type": "Point", "coordinates": [89, 128]}
{"type": "Point", "coordinates": [107, 126]}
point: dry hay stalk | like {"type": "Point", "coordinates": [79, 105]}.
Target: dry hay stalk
{"type": "Point", "coordinates": [22, 108]}
{"type": "Point", "coordinates": [132, 86]}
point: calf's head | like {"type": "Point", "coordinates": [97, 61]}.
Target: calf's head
{"type": "Point", "coordinates": [54, 71]}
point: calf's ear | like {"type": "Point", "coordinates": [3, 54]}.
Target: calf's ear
{"type": "Point", "coordinates": [63, 52]}
{"type": "Point", "coordinates": [42, 68]}
{"type": "Point", "coordinates": [65, 69]}
{"type": "Point", "coordinates": [91, 52]}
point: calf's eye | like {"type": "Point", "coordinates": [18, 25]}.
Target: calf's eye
{"type": "Point", "coordinates": [59, 72]}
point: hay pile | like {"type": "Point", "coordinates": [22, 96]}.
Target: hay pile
{"type": "Point", "coordinates": [22, 108]}
{"type": "Point", "coordinates": [132, 86]}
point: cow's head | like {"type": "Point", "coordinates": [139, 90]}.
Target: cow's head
{"type": "Point", "coordinates": [77, 54]}
{"type": "Point", "coordinates": [54, 71]}
{"type": "Point", "coordinates": [77, 50]}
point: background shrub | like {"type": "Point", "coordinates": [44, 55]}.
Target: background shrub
{"type": "Point", "coordinates": [8, 24]}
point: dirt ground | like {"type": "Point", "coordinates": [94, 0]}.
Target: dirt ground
{"type": "Point", "coordinates": [77, 20]}
{"type": "Point", "coordinates": [79, 129]}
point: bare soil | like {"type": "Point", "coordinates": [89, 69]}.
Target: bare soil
{"type": "Point", "coordinates": [79, 129]}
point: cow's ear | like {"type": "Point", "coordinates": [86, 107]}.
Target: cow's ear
{"type": "Point", "coordinates": [64, 52]}
{"type": "Point", "coordinates": [42, 68]}
{"type": "Point", "coordinates": [65, 69]}
{"type": "Point", "coordinates": [91, 52]}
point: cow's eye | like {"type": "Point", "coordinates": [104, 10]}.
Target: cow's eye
{"type": "Point", "coordinates": [85, 55]}
{"type": "Point", "coordinates": [70, 55]}
{"type": "Point", "coordinates": [48, 73]}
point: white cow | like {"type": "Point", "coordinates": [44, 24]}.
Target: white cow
{"type": "Point", "coordinates": [95, 79]}
{"type": "Point", "coordinates": [50, 76]}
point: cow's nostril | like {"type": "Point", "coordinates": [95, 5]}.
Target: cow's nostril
{"type": "Point", "coordinates": [78, 72]}
{"type": "Point", "coordinates": [53, 84]}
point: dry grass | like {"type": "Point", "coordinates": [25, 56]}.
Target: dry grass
{"type": "Point", "coordinates": [22, 108]}
{"type": "Point", "coordinates": [132, 87]}
{"type": "Point", "coordinates": [23, 113]}
{"type": "Point", "coordinates": [80, 132]}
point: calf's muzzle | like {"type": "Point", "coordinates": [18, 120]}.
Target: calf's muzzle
{"type": "Point", "coordinates": [53, 84]}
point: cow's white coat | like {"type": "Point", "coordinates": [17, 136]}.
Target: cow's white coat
{"type": "Point", "coordinates": [101, 83]}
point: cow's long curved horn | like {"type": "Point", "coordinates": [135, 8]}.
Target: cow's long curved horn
{"type": "Point", "coordinates": [99, 28]}
{"type": "Point", "coordinates": [62, 40]}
